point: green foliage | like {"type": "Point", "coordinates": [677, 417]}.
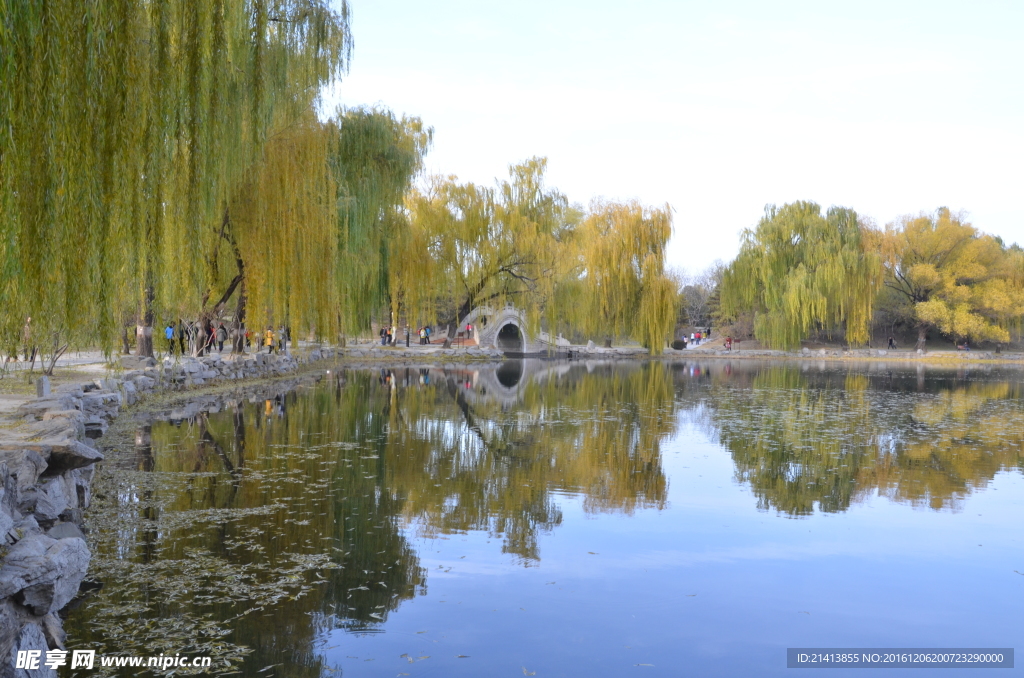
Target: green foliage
{"type": "Point", "coordinates": [799, 271]}
{"type": "Point", "coordinates": [374, 158]}
{"type": "Point", "coordinates": [125, 126]}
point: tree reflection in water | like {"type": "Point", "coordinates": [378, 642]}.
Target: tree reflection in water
{"type": "Point", "coordinates": [250, 530]}
{"type": "Point", "coordinates": [815, 436]}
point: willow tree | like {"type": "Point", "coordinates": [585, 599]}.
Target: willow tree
{"type": "Point", "coordinates": [943, 274]}
{"type": "Point", "coordinates": [622, 287]}
{"type": "Point", "coordinates": [488, 245]}
{"type": "Point", "coordinates": [125, 126]}
{"type": "Point", "coordinates": [305, 239]}
{"type": "Point", "coordinates": [374, 157]}
{"type": "Point", "coordinates": [800, 271]}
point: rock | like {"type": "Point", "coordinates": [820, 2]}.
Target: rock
{"type": "Point", "coordinates": [144, 383]}
{"type": "Point", "coordinates": [73, 419]}
{"type": "Point", "coordinates": [52, 499]}
{"type": "Point", "coordinates": [37, 408]}
{"type": "Point", "coordinates": [25, 466]}
{"type": "Point", "coordinates": [42, 573]}
{"type": "Point", "coordinates": [101, 402]}
{"type": "Point", "coordinates": [42, 386]}
{"type": "Point", "coordinates": [920, 351]}
{"type": "Point", "coordinates": [65, 531]}
{"type": "Point", "coordinates": [53, 631]}
{"type": "Point", "coordinates": [72, 455]}
{"type": "Point", "coordinates": [29, 638]}
{"type": "Point", "coordinates": [137, 362]}
{"type": "Point", "coordinates": [130, 394]}
{"type": "Point", "coordinates": [108, 384]}
{"type": "Point", "coordinates": [209, 374]}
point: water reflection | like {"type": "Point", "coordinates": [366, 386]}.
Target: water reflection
{"type": "Point", "coordinates": [250, 529]}
{"type": "Point", "coordinates": [251, 526]}
{"type": "Point", "coordinates": [809, 436]}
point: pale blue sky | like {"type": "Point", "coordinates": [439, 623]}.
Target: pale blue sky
{"type": "Point", "coordinates": [717, 108]}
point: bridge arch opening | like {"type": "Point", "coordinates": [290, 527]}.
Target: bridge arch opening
{"type": "Point", "coordinates": [509, 373]}
{"type": "Point", "coordinates": [510, 338]}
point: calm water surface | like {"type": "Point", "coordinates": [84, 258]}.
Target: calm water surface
{"type": "Point", "coordinates": [568, 519]}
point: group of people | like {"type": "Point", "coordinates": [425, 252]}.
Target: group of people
{"type": "Point", "coordinates": [697, 337]}
{"type": "Point", "coordinates": [210, 335]}
{"type": "Point", "coordinates": [389, 335]}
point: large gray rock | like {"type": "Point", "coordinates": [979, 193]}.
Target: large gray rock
{"type": "Point", "coordinates": [39, 406]}
{"type": "Point", "coordinates": [65, 531]}
{"type": "Point", "coordinates": [53, 631]}
{"type": "Point", "coordinates": [101, 402]}
{"type": "Point", "coordinates": [144, 383]}
{"type": "Point", "coordinates": [71, 455]}
{"type": "Point", "coordinates": [10, 625]}
{"type": "Point", "coordinates": [43, 573]}
{"type": "Point", "coordinates": [53, 498]}
{"type": "Point", "coordinates": [83, 485]}
{"type": "Point", "coordinates": [134, 362]}
{"type": "Point", "coordinates": [30, 637]}
{"type": "Point", "coordinates": [8, 504]}
{"type": "Point", "coordinates": [24, 466]}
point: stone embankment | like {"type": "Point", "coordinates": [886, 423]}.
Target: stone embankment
{"type": "Point", "coordinates": [47, 458]}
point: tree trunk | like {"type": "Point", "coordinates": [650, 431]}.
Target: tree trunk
{"type": "Point", "coordinates": [126, 347]}
{"type": "Point", "coordinates": [144, 331]}
{"type": "Point", "coordinates": [144, 341]}
{"type": "Point", "coordinates": [456, 322]}
{"type": "Point", "coordinates": [922, 336]}
{"type": "Point", "coordinates": [238, 341]}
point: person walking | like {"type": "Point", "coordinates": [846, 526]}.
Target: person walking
{"type": "Point", "coordinates": [169, 336]}
{"type": "Point", "coordinates": [222, 335]}
{"type": "Point", "coordinates": [211, 337]}
{"type": "Point", "coordinates": [268, 340]}
{"type": "Point", "coordinates": [181, 335]}
{"type": "Point", "coordinates": [892, 343]}
{"type": "Point", "coordinates": [383, 336]}
{"type": "Point", "coordinates": [26, 338]}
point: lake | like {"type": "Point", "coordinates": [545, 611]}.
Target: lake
{"type": "Point", "coordinates": [565, 519]}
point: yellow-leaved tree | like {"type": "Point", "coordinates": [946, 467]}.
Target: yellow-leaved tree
{"type": "Point", "coordinates": [941, 273]}
{"type": "Point", "coordinates": [484, 246]}
{"type": "Point", "coordinates": [622, 289]}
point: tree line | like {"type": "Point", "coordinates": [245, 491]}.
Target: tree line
{"type": "Point", "coordinates": [801, 272]}
{"type": "Point", "coordinates": [169, 159]}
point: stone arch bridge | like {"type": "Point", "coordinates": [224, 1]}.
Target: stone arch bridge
{"type": "Point", "coordinates": [505, 330]}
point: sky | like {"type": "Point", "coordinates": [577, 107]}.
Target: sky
{"type": "Point", "coordinates": [716, 108]}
